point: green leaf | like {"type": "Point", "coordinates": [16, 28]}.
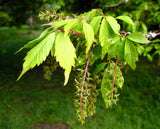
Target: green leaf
{"type": "Point", "coordinates": [89, 35]}
{"type": "Point", "coordinates": [117, 49]}
{"type": "Point", "coordinates": [105, 48]}
{"type": "Point", "coordinates": [38, 54]}
{"type": "Point", "coordinates": [34, 42]}
{"type": "Point", "coordinates": [95, 55]}
{"type": "Point", "coordinates": [95, 23]}
{"type": "Point", "coordinates": [137, 37]}
{"type": "Point", "coordinates": [107, 82]}
{"type": "Point", "coordinates": [70, 25]}
{"type": "Point", "coordinates": [126, 19]}
{"type": "Point", "coordinates": [130, 53]}
{"type": "Point", "coordinates": [60, 23]}
{"type": "Point", "coordinates": [99, 68]}
{"type": "Point", "coordinates": [65, 54]}
{"type": "Point", "coordinates": [114, 24]}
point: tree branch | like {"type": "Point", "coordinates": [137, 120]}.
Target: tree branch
{"type": "Point", "coordinates": [114, 5]}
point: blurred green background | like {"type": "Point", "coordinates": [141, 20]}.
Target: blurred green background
{"type": "Point", "coordinates": [34, 102]}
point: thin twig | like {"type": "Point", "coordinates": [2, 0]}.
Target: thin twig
{"type": "Point", "coordinates": [68, 17]}
{"type": "Point", "coordinates": [100, 13]}
{"type": "Point", "coordinates": [97, 79]}
{"type": "Point", "coordinates": [84, 77]}
{"type": "Point", "coordinates": [114, 5]}
{"type": "Point", "coordinates": [71, 32]}
{"type": "Point", "coordinates": [114, 76]}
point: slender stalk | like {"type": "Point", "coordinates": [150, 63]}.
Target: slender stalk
{"type": "Point", "coordinates": [97, 80]}
{"type": "Point", "coordinates": [100, 13]}
{"type": "Point", "coordinates": [68, 17]}
{"type": "Point", "coordinates": [114, 76]}
{"type": "Point", "coordinates": [84, 77]}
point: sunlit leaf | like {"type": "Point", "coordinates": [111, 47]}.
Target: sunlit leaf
{"type": "Point", "coordinates": [69, 26]}
{"type": "Point", "coordinates": [95, 23]}
{"type": "Point", "coordinates": [34, 42]}
{"type": "Point", "coordinates": [65, 54]}
{"type": "Point", "coordinates": [38, 54]}
{"type": "Point", "coordinates": [137, 37]}
{"type": "Point", "coordinates": [89, 35]}
{"type": "Point", "coordinates": [113, 23]}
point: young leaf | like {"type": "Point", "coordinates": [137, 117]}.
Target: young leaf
{"type": "Point", "coordinates": [69, 26]}
{"type": "Point", "coordinates": [125, 19]}
{"type": "Point", "coordinates": [107, 83]}
{"type": "Point", "coordinates": [89, 35]}
{"type": "Point", "coordinates": [99, 68]}
{"type": "Point", "coordinates": [95, 23]}
{"type": "Point", "coordinates": [130, 53]}
{"type": "Point", "coordinates": [113, 23]}
{"type": "Point", "coordinates": [137, 37]}
{"type": "Point", "coordinates": [65, 54]}
{"type": "Point", "coordinates": [38, 54]}
{"type": "Point", "coordinates": [34, 42]}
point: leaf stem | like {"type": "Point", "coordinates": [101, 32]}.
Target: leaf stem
{"type": "Point", "coordinates": [114, 76]}
{"type": "Point", "coordinates": [84, 77]}
{"type": "Point", "coordinates": [100, 13]}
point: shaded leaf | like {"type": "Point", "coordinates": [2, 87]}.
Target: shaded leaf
{"type": "Point", "coordinates": [65, 54]}
{"type": "Point", "coordinates": [99, 68]}
{"type": "Point", "coordinates": [117, 49]}
{"type": "Point", "coordinates": [125, 19]}
{"type": "Point", "coordinates": [130, 53]}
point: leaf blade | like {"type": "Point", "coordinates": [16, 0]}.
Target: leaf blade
{"type": "Point", "coordinates": [138, 38]}
{"type": "Point", "coordinates": [65, 54]}
{"type": "Point", "coordinates": [126, 19]}
{"type": "Point", "coordinates": [130, 53]}
{"type": "Point", "coordinates": [95, 23]}
{"type": "Point", "coordinates": [89, 35]}
{"type": "Point", "coordinates": [38, 54]}
{"type": "Point", "coordinates": [114, 24]}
